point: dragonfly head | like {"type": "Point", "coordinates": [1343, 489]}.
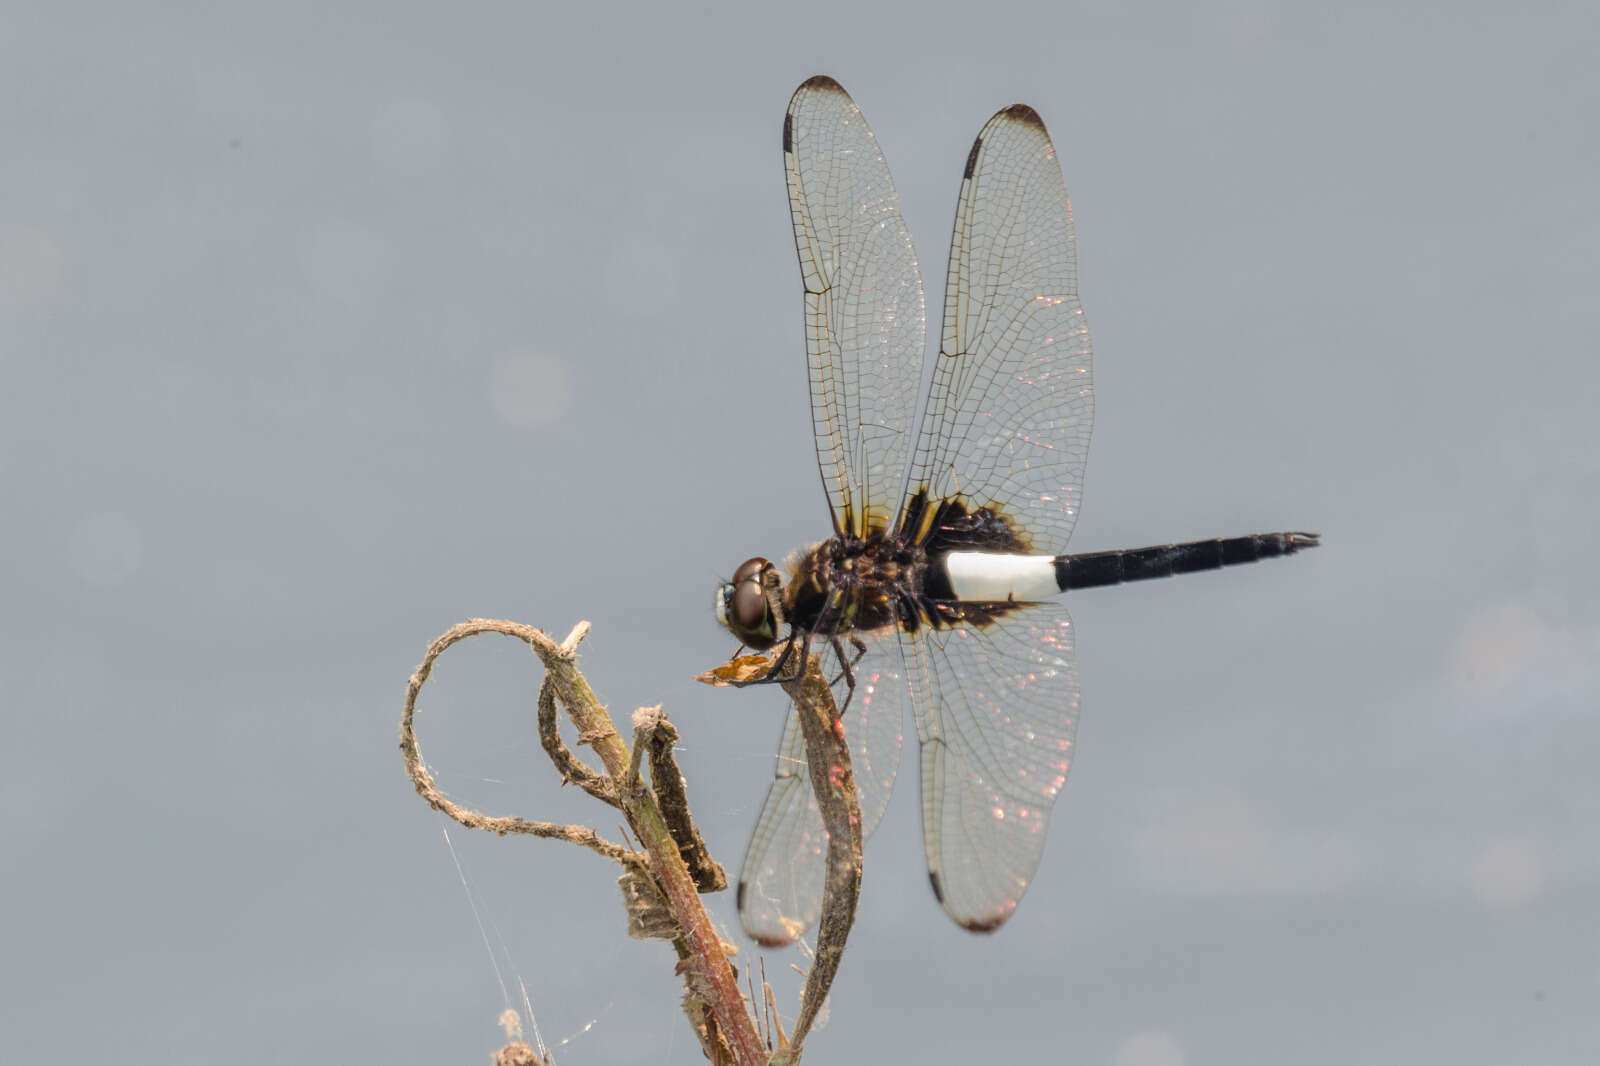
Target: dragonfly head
{"type": "Point", "coordinates": [745, 604]}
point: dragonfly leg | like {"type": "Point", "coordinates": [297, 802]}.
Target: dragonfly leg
{"type": "Point", "coordinates": [860, 647]}
{"type": "Point", "coordinates": [845, 663]}
{"type": "Point", "coordinates": [775, 673]}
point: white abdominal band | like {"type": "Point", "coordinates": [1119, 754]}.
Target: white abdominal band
{"type": "Point", "coordinates": [997, 578]}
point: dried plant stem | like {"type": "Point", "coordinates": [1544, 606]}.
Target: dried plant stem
{"type": "Point", "coordinates": [667, 780]}
{"type": "Point", "coordinates": [711, 977]}
{"type": "Point", "coordinates": [570, 766]}
{"type": "Point", "coordinates": [833, 782]}
{"type": "Point", "coordinates": [423, 781]}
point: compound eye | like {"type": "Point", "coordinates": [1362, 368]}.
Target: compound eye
{"type": "Point", "coordinates": [749, 604]}
{"type": "Point", "coordinates": [749, 570]}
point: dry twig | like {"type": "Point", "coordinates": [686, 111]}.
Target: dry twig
{"type": "Point", "coordinates": [423, 781]}
{"type": "Point", "coordinates": [717, 1008]}
{"type": "Point", "coordinates": [833, 783]}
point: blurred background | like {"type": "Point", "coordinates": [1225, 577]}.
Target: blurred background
{"type": "Point", "coordinates": [321, 330]}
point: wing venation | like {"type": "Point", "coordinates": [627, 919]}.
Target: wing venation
{"type": "Point", "coordinates": [1007, 419]}
{"type": "Point", "coordinates": [780, 885]}
{"type": "Point", "coordinates": [864, 311]}
{"type": "Point", "coordinates": [996, 709]}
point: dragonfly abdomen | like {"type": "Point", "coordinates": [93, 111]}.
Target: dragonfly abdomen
{"type": "Point", "coordinates": [1138, 564]}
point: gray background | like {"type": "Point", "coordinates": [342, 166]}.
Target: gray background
{"type": "Point", "coordinates": [321, 330]}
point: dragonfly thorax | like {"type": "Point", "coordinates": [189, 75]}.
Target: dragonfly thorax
{"type": "Point", "coordinates": [848, 582]}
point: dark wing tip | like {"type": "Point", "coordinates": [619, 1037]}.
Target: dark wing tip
{"type": "Point", "coordinates": [819, 82]}
{"type": "Point", "coordinates": [987, 925]}
{"type": "Point", "coordinates": [971, 925]}
{"type": "Point", "coordinates": [1024, 114]}
{"type": "Point", "coordinates": [1016, 115]}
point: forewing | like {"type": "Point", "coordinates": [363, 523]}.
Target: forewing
{"type": "Point", "coordinates": [996, 708]}
{"type": "Point", "coordinates": [780, 886]}
{"type": "Point", "coordinates": [865, 318]}
{"type": "Point", "coordinates": [1010, 405]}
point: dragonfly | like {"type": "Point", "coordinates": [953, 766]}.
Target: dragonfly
{"type": "Point", "coordinates": [937, 593]}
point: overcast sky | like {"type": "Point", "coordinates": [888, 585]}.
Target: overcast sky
{"type": "Point", "coordinates": [321, 331]}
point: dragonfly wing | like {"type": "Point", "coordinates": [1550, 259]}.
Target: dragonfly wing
{"type": "Point", "coordinates": [1009, 408]}
{"type": "Point", "coordinates": [780, 886]}
{"type": "Point", "coordinates": [996, 708]}
{"type": "Point", "coordinates": [865, 316]}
